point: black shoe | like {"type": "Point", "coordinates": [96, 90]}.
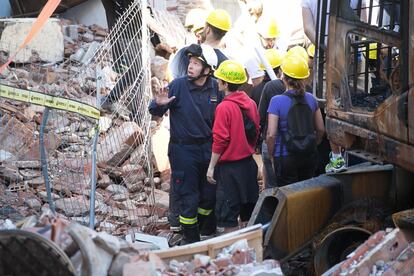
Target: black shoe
{"type": "Point", "coordinates": [207, 224]}
{"type": "Point", "coordinates": [191, 234]}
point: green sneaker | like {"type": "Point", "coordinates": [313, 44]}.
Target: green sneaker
{"type": "Point", "coordinates": [336, 165]}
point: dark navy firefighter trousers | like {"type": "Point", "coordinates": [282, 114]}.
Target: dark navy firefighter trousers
{"type": "Point", "coordinates": [189, 164]}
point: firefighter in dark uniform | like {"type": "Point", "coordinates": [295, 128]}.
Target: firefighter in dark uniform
{"type": "Point", "coordinates": [192, 101]}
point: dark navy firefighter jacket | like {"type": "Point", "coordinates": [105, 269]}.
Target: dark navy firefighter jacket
{"type": "Point", "coordinates": [192, 111]}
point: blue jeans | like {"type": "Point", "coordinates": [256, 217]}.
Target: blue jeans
{"type": "Point", "coordinates": [270, 177]}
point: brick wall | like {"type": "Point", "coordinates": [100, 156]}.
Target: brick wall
{"type": "Point", "coordinates": [181, 7]}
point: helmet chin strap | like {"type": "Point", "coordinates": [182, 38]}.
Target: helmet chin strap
{"type": "Point", "coordinates": [193, 79]}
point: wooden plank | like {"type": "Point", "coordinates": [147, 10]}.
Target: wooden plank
{"type": "Point", "coordinates": [213, 246]}
{"type": "Point", "coordinates": [254, 239]}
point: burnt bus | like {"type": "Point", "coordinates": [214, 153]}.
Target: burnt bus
{"type": "Point", "coordinates": [363, 79]}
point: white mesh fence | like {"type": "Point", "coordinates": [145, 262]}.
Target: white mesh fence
{"type": "Point", "coordinates": [112, 75]}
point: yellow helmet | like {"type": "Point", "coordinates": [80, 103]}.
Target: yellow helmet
{"type": "Point", "coordinates": [299, 51]}
{"type": "Point", "coordinates": [275, 58]}
{"type": "Point", "coordinates": [268, 28]}
{"type": "Point", "coordinates": [220, 19]}
{"type": "Point", "coordinates": [231, 71]}
{"type": "Point", "coordinates": [295, 67]}
{"type": "Point", "coordinates": [311, 50]}
{"type": "Point", "coordinates": [195, 17]}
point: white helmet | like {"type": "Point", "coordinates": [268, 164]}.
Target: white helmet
{"type": "Point", "coordinates": [210, 56]}
{"type": "Point", "coordinates": [205, 53]}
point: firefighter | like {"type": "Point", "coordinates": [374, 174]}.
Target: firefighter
{"type": "Point", "coordinates": [235, 134]}
{"type": "Point", "coordinates": [217, 24]}
{"type": "Point", "coordinates": [192, 101]}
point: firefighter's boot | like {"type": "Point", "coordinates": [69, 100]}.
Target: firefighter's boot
{"type": "Point", "coordinates": [191, 233]}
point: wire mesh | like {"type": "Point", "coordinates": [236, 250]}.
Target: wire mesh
{"type": "Point", "coordinates": [112, 74]}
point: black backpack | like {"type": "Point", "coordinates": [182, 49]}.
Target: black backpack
{"type": "Point", "coordinates": [249, 127]}
{"type": "Point", "coordinates": [300, 137]}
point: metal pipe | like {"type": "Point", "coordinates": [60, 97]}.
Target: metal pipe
{"type": "Point", "coordinates": [43, 159]}
{"type": "Point", "coordinates": [94, 155]}
{"type": "Point", "coordinates": [260, 53]}
{"type": "Point", "coordinates": [93, 181]}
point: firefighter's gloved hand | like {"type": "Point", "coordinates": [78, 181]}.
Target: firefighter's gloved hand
{"type": "Point", "coordinates": [210, 175]}
{"type": "Point", "coordinates": [162, 97]}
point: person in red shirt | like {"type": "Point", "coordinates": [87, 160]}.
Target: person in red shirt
{"type": "Point", "coordinates": [235, 133]}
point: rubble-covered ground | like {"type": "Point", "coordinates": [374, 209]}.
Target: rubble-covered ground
{"type": "Point", "coordinates": [389, 252]}
{"type": "Point", "coordinates": [127, 197]}
{"type": "Point", "coordinates": [98, 253]}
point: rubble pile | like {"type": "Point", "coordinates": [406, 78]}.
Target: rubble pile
{"type": "Point", "coordinates": [124, 197]}
{"type": "Point", "coordinates": [89, 252]}
{"type": "Point", "coordinates": [238, 259]}
{"type": "Point", "coordinates": [45, 68]}
{"type": "Point", "coordinates": [384, 253]}
{"type": "Point", "coordinates": [96, 253]}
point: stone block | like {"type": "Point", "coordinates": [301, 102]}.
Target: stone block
{"type": "Point", "coordinates": [118, 264]}
{"type": "Point", "coordinates": [20, 140]}
{"type": "Point", "coordinates": [73, 207]}
{"type": "Point", "coordinates": [162, 199]}
{"type": "Point", "coordinates": [104, 124]}
{"type": "Point", "coordinates": [48, 42]}
{"type": "Point", "coordinates": [159, 67]}
{"type": "Point", "coordinates": [33, 203]}
{"type": "Point", "coordinates": [119, 143]}
{"type": "Point", "coordinates": [117, 189]}
{"type": "Point", "coordinates": [134, 187]}
{"type": "Point", "coordinates": [108, 242]}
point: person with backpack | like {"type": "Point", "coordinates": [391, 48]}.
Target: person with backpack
{"type": "Point", "coordinates": [235, 133]}
{"type": "Point", "coordinates": [295, 125]}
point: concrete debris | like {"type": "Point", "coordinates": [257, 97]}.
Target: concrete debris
{"type": "Point", "coordinates": [104, 124]}
{"type": "Point", "coordinates": [159, 66]}
{"type": "Point", "coordinates": [128, 134]}
{"type": "Point", "coordinates": [7, 225]}
{"type": "Point", "coordinates": [33, 203]}
{"type": "Point", "coordinates": [231, 261]}
{"type": "Point", "coordinates": [72, 207]}
{"type": "Point", "coordinates": [43, 196]}
{"type": "Point", "coordinates": [50, 37]}
{"type": "Point", "coordinates": [5, 155]}
{"type": "Point", "coordinates": [160, 199]}
{"type": "Point", "coordinates": [384, 253]}
{"type": "Point", "coordinates": [93, 253]}
{"type": "Point", "coordinates": [108, 242]}
{"type": "Point", "coordinates": [124, 201]}
{"type": "Point", "coordinates": [118, 263]}
{"type": "Point", "coordinates": [117, 189]}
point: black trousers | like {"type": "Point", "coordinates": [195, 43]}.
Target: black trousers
{"type": "Point", "coordinates": [290, 169]}
{"type": "Point", "coordinates": [237, 191]}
